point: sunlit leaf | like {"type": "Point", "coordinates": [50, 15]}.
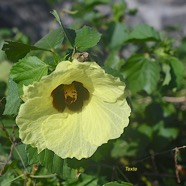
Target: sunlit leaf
{"type": "Point", "coordinates": [177, 70]}
{"type": "Point", "coordinates": [86, 37]}
{"type": "Point", "coordinates": [167, 132]}
{"type": "Point", "coordinates": [116, 35]}
{"type": "Point", "coordinates": [166, 69]}
{"type": "Point", "coordinates": [122, 148]}
{"type": "Point", "coordinates": [56, 15]}
{"type": "Point", "coordinates": [144, 32]}
{"type": "Point", "coordinates": [96, 2]}
{"type": "Point", "coordinates": [27, 70]}
{"type": "Point", "coordinates": [141, 73]}
{"type": "Point", "coordinates": [113, 61]}
{"type": "Point", "coordinates": [7, 178]}
{"type": "Point", "coordinates": [146, 130]}
{"type": "Point", "coordinates": [13, 100]}
{"type": "Point", "coordinates": [69, 173]}
{"type": "Point", "coordinates": [51, 40]}
{"type": "Point", "coordinates": [69, 33]}
{"type": "Point", "coordinates": [115, 183]}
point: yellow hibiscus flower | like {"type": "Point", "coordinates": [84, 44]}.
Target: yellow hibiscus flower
{"type": "Point", "coordinates": [74, 110]}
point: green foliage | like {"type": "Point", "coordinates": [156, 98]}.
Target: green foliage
{"type": "Point", "coordinates": [16, 51]}
{"type": "Point", "coordinates": [6, 179]}
{"type": "Point", "coordinates": [153, 68]}
{"type": "Point", "coordinates": [67, 32]}
{"type": "Point", "coordinates": [81, 39]}
{"type": "Point", "coordinates": [52, 162]}
{"type": "Point", "coordinates": [177, 70]}
{"type": "Point", "coordinates": [117, 184]}
{"type": "Point", "coordinates": [12, 100]}
{"type": "Point", "coordinates": [86, 37]}
{"type": "Point", "coordinates": [51, 40]}
{"type": "Point", "coordinates": [141, 73]}
{"type": "Point", "coordinates": [28, 70]}
{"type": "Point", "coordinates": [143, 33]}
{"type": "Point", "coordinates": [111, 36]}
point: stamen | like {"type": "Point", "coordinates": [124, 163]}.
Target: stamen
{"type": "Point", "coordinates": [70, 94]}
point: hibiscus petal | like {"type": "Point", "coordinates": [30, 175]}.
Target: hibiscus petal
{"type": "Point", "coordinates": [29, 120]}
{"type": "Point", "coordinates": [64, 135]}
{"type": "Point", "coordinates": [106, 86]}
{"type": "Point", "coordinates": [103, 121]}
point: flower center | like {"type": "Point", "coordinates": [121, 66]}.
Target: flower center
{"type": "Point", "coordinates": [70, 93]}
{"type": "Point", "coordinates": [71, 96]}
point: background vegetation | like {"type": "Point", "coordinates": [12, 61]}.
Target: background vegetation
{"type": "Point", "coordinates": [151, 63]}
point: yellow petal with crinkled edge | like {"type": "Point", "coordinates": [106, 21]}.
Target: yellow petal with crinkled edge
{"type": "Point", "coordinates": [106, 86]}
{"type": "Point", "coordinates": [103, 121]}
{"type": "Point", "coordinates": [29, 120]}
{"type": "Point", "coordinates": [63, 134]}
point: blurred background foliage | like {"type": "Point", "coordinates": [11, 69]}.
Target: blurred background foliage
{"type": "Point", "coordinates": [152, 64]}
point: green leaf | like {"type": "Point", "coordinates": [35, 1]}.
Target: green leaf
{"type": "Point", "coordinates": [28, 70]}
{"type": "Point", "coordinates": [122, 148]}
{"type": "Point", "coordinates": [113, 61]}
{"type": "Point", "coordinates": [141, 73]}
{"type": "Point", "coordinates": [83, 38]}
{"type": "Point", "coordinates": [86, 37]}
{"type": "Point", "coordinates": [115, 183]}
{"type": "Point", "coordinates": [33, 156]}
{"type": "Point", "coordinates": [19, 153]}
{"type": "Point", "coordinates": [166, 132]}
{"type": "Point", "coordinates": [69, 33]}
{"type": "Point", "coordinates": [146, 130]}
{"type": "Point", "coordinates": [166, 69]}
{"type": "Point", "coordinates": [68, 172]}
{"type": "Point", "coordinates": [7, 178]}
{"type": "Point", "coordinates": [84, 180]}
{"type": "Point", "coordinates": [177, 68]}
{"type": "Point", "coordinates": [52, 162]}
{"type": "Point", "coordinates": [56, 15]}
{"type": "Point", "coordinates": [13, 100]}
{"type": "Point", "coordinates": [118, 9]}
{"type": "Point", "coordinates": [95, 2]}
{"type": "Point", "coordinates": [111, 36]}
{"type": "Point", "coordinates": [86, 7]}
{"type": "Point", "coordinates": [90, 180]}
{"type": "Point", "coordinates": [119, 148]}
{"type": "Point", "coordinates": [51, 40]}
{"type": "Point", "coordinates": [143, 32]}
{"type": "Point", "coordinates": [16, 50]}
